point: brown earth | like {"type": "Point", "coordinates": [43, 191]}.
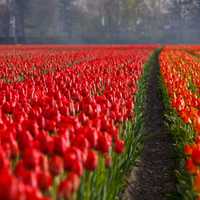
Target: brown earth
{"type": "Point", "coordinates": [153, 177]}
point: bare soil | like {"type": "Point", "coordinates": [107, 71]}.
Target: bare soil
{"type": "Point", "coordinates": [153, 177]}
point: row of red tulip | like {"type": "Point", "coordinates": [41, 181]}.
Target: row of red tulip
{"type": "Point", "coordinates": [181, 70]}
{"type": "Point", "coordinates": [27, 63]}
{"type": "Point", "coordinates": [54, 126]}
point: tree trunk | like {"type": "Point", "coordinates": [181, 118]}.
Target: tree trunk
{"type": "Point", "coordinates": [19, 16]}
{"type": "Point", "coordinates": [4, 20]}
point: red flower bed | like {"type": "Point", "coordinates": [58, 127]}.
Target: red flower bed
{"type": "Point", "coordinates": [181, 70]}
{"type": "Point", "coordinates": [60, 109]}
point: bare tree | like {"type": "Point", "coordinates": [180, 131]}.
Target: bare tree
{"type": "Point", "coordinates": [4, 19]}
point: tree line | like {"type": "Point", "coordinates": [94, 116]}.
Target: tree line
{"type": "Point", "coordinates": [93, 20]}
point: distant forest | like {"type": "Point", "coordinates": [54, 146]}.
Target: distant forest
{"type": "Point", "coordinates": [99, 21]}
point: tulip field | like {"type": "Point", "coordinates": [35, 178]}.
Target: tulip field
{"type": "Point", "coordinates": [68, 120]}
{"type": "Point", "coordinates": [72, 118]}
{"type": "Point", "coordinates": [180, 70]}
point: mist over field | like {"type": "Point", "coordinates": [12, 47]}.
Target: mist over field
{"type": "Point", "coordinates": [99, 21]}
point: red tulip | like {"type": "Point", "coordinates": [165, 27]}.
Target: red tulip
{"type": "Point", "coordinates": [104, 143]}
{"type": "Point", "coordinates": [65, 189]}
{"type": "Point", "coordinates": [188, 150]}
{"type": "Point", "coordinates": [56, 165]}
{"type": "Point", "coordinates": [190, 166]}
{"type": "Point", "coordinates": [31, 158]}
{"type": "Point", "coordinates": [92, 161]}
{"type": "Point", "coordinates": [75, 180]}
{"type": "Point", "coordinates": [119, 146]}
{"type": "Point", "coordinates": [44, 180]}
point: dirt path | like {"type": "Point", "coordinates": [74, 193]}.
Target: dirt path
{"type": "Point", "coordinates": [152, 178]}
